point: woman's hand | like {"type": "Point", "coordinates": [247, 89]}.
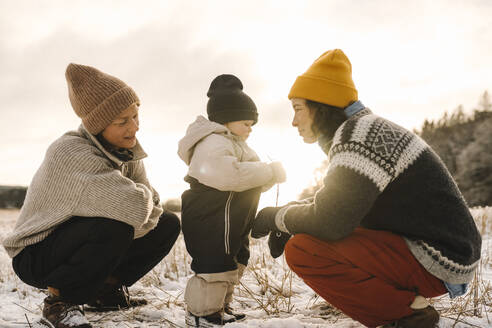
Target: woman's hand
{"type": "Point", "coordinates": [264, 222]}
{"type": "Point", "coordinates": [276, 243]}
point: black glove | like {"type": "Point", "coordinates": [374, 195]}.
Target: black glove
{"type": "Point", "coordinates": [264, 222]}
{"type": "Point", "coordinates": [276, 243]}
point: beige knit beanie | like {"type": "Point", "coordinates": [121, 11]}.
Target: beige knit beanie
{"type": "Point", "coordinates": [96, 97]}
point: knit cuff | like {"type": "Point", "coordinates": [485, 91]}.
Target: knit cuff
{"type": "Point", "coordinates": [280, 218]}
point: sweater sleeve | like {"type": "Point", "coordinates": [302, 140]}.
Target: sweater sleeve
{"type": "Point", "coordinates": [338, 207]}
{"type": "Point", "coordinates": [214, 163]}
{"type": "Point", "coordinates": [139, 175]}
{"type": "Point", "coordinates": [351, 186]}
{"type": "Point", "coordinates": [109, 194]}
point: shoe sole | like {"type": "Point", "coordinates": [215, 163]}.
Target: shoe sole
{"type": "Point", "coordinates": [104, 309]}
{"type": "Point", "coordinates": [236, 318]}
{"type": "Point", "coordinates": [89, 308]}
{"type": "Point", "coordinates": [45, 323]}
{"type": "Point", "coordinates": [191, 323]}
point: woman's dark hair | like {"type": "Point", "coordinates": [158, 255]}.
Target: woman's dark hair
{"type": "Point", "coordinates": [326, 118]}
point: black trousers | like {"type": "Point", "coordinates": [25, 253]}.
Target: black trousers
{"type": "Point", "coordinates": [216, 227]}
{"type": "Point", "coordinates": [79, 255]}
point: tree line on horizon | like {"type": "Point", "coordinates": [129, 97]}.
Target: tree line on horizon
{"type": "Point", "coordinates": [463, 140]}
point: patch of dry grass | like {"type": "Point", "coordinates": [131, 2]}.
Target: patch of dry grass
{"type": "Point", "coordinates": [477, 302]}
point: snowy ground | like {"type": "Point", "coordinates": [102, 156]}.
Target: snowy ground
{"type": "Point", "coordinates": [270, 295]}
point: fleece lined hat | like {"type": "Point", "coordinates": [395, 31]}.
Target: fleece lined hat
{"type": "Point", "coordinates": [96, 97]}
{"type": "Point", "coordinates": [327, 81]}
{"type": "Point", "coordinates": [227, 102]}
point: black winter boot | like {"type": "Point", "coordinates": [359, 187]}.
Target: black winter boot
{"type": "Point", "coordinates": [216, 319]}
{"type": "Point", "coordinates": [237, 315]}
{"type": "Point", "coordinates": [61, 314]}
{"type": "Point", "coordinates": [113, 298]}
{"type": "Point", "coordinates": [423, 318]}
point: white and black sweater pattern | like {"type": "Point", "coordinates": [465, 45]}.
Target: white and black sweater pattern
{"type": "Point", "coordinates": [384, 177]}
{"type": "Point", "coordinates": [376, 148]}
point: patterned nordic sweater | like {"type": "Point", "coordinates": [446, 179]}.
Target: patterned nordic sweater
{"type": "Point", "coordinates": [381, 176]}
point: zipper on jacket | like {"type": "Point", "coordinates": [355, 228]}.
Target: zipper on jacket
{"type": "Point", "coordinates": [227, 222]}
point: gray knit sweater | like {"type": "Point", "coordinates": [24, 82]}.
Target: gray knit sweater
{"type": "Point", "coordinates": [78, 177]}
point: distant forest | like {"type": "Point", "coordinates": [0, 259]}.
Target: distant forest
{"type": "Point", "coordinates": [464, 143]}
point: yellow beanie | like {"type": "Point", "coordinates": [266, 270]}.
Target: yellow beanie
{"type": "Point", "coordinates": [327, 81]}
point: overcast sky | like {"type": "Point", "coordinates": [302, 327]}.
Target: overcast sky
{"type": "Point", "coordinates": [411, 60]}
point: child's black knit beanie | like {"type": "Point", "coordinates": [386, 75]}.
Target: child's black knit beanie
{"type": "Point", "coordinates": [227, 102]}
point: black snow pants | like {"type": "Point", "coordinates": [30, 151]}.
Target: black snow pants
{"type": "Point", "coordinates": [79, 255]}
{"type": "Point", "coordinates": [216, 226]}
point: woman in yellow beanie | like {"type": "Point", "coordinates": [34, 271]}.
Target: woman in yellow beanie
{"type": "Point", "coordinates": [91, 223]}
{"type": "Point", "coordinates": [389, 228]}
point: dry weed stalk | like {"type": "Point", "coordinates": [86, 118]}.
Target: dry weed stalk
{"type": "Point", "coordinates": [274, 282]}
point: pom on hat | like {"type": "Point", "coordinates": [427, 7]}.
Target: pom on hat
{"type": "Point", "coordinates": [228, 103]}
{"type": "Point", "coordinates": [96, 97]}
{"type": "Point", "coordinates": [327, 81]}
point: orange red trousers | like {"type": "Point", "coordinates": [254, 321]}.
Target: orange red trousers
{"type": "Point", "coordinates": [371, 275]}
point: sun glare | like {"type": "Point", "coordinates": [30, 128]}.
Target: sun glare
{"type": "Point", "coordinates": [299, 160]}
{"type": "Point", "coordinates": [166, 171]}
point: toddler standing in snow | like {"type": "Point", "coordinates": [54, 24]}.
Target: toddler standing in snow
{"type": "Point", "coordinates": [226, 178]}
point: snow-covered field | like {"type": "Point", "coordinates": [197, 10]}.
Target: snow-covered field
{"type": "Point", "coordinates": [270, 295]}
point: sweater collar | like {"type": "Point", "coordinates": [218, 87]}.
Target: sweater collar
{"type": "Point", "coordinates": [123, 154]}
{"type": "Point", "coordinates": [138, 152]}
{"type": "Point", "coordinates": [353, 111]}
{"type": "Point", "coordinates": [353, 108]}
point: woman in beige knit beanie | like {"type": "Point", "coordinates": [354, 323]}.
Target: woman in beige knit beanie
{"type": "Point", "coordinates": [91, 223]}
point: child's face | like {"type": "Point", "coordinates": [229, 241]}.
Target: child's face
{"type": "Point", "coordinates": [241, 129]}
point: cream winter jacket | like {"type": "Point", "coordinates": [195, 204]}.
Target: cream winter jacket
{"type": "Point", "coordinates": [78, 177]}
{"type": "Point", "coordinates": [218, 159]}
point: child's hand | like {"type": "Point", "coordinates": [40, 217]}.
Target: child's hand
{"type": "Point", "coordinates": [279, 175]}
{"type": "Point", "coordinates": [267, 186]}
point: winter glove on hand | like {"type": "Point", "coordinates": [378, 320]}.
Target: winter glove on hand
{"type": "Point", "coordinates": [305, 201]}
{"type": "Point", "coordinates": [264, 222]}
{"type": "Point", "coordinates": [276, 243]}
{"type": "Point", "coordinates": [279, 175]}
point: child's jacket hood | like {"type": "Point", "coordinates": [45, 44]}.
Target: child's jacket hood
{"type": "Point", "coordinates": [221, 160]}
{"type": "Point", "coordinates": [196, 131]}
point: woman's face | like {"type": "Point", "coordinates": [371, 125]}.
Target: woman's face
{"type": "Point", "coordinates": [241, 129]}
{"type": "Point", "coordinates": [303, 120]}
{"type": "Point", "coordinates": [121, 133]}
